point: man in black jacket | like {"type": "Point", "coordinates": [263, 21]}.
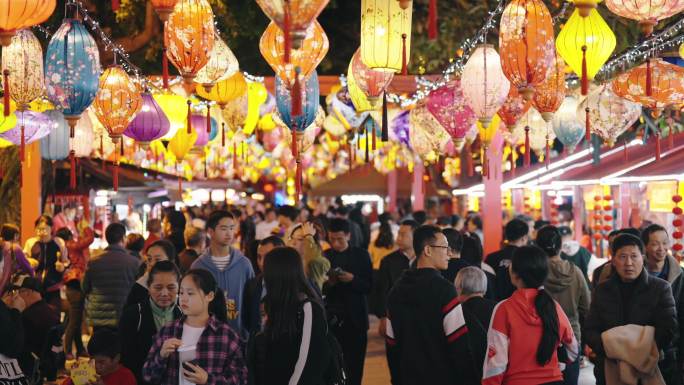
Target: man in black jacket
{"type": "Point", "coordinates": [254, 288]}
{"type": "Point", "coordinates": [517, 234]}
{"type": "Point", "coordinates": [345, 297]}
{"type": "Point", "coordinates": [426, 325]}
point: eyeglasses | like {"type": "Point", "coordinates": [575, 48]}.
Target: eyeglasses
{"type": "Point", "coordinates": [439, 247]}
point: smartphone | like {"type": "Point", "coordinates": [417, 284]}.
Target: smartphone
{"type": "Point", "coordinates": [338, 271]}
{"type": "Point", "coordinates": [188, 367]}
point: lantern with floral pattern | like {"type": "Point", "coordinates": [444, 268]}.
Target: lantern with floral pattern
{"type": "Point", "coordinates": [448, 106]}
{"type": "Point", "coordinates": [609, 114]}
{"type": "Point", "coordinates": [550, 93]}
{"type": "Point", "coordinates": [484, 84]}
{"type": "Point", "coordinates": [655, 84]}
{"type": "Point", "coordinates": [293, 16]}
{"type": "Point", "coordinates": [647, 13]}
{"type": "Point", "coordinates": [222, 64]}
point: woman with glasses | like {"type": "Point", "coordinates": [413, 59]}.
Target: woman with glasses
{"type": "Point", "coordinates": [161, 250]}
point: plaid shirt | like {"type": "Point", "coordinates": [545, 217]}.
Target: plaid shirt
{"type": "Point", "coordinates": [218, 352]}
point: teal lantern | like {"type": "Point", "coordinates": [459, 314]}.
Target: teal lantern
{"type": "Point", "coordinates": [55, 146]}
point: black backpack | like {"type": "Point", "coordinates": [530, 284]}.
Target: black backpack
{"type": "Point", "coordinates": [335, 374]}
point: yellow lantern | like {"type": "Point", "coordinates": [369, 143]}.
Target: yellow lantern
{"type": "Point", "coordinates": [585, 43]}
{"type": "Point", "coordinates": [385, 35]}
{"type": "Point", "coordinates": [23, 58]}
{"type": "Point", "coordinates": [256, 96]}
{"type": "Point", "coordinates": [681, 51]}
{"type": "Point", "coordinates": [175, 108]}
{"type": "Point", "coordinates": [487, 133]}
{"type": "Point", "coordinates": [225, 90]}
{"type": "Point", "coordinates": [181, 144]}
{"type": "Point", "coordinates": [222, 64]}
{"type": "Point", "coordinates": [358, 97]}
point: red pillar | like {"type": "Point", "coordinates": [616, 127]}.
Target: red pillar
{"type": "Point", "coordinates": [492, 212]}
{"type": "Point", "coordinates": [578, 211]}
{"type": "Point", "coordinates": [625, 204]}
{"type": "Point", "coordinates": [518, 197]}
{"type": "Point", "coordinates": [30, 191]}
{"type": "Point", "coordinates": [392, 191]}
{"type": "Point", "coordinates": [417, 193]}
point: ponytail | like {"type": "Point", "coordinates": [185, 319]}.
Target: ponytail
{"type": "Point", "coordinates": [217, 307]}
{"type": "Point", "coordinates": [546, 309]}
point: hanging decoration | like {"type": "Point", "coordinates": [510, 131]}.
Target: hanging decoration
{"type": "Point", "coordinates": [175, 108]}
{"type": "Point", "coordinates": [654, 85]}
{"type": "Point", "coordinates": [222, 64]}
{"type": "Point", "coordinates": [386, 35]}
{"type": "Point", "coordinates": [181, 143]}
{"type": "Point", "coordinates": [448, 106]}
{"type": "Point", "coordinates": [72, 70]}
{"type": "Point", "coordinates": [31, 126]}
{"type": "Point", "coordinates": [235, 113]}
{"type": "Point", "coordinates": [55, 146]}
{"type": "Point", "coordinates": [164, 8]}
{"type": "Point", "coordinates": [18, 14]}
{"type": "Point", "coordinates": [199, 125]}
{"type": "Point", "coordinates": [526, 44]}
{"type": "Point", "coordinates": [609, 115]}
{"type": "Point", "coordinates": [23, 58]}
{"type": "Point", "coordinates": [535, 129]}
{"type": "Point", "coordinates": [568, 129]}
{"type": "Point", "coordinates": [150, 123]}
{"type": "Point", "coordinates": [647, 13]}
{"type": "Point", "coordinates": [373, 83]}
{"type": "Point", "coordinates": [189, 37]}
{"type": "Point", "coordinates": [513, 108]}
{"type": "Point", "coordinates": [225, 90]}
{"type": "Point", "coordinates": [84, 140]}
{"type": "Point", "coordinates": [359, 99]}
{"type": "Point", "coordinates": [427, 137]}
{"type": "Point", "coordinates": [293, 17]}
{"type": "Point", "coordinates": [678, 225]}
{"type": "Point", "coordinates": [550, 93]}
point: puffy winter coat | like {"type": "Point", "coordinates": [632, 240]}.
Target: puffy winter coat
{"type": "Point", "coordinates": [567, 286]}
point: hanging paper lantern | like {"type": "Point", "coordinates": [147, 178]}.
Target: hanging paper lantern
{"type": "Point", "coordinates": [426, 134]}
{"type": "Point", "coordinates": [84, 140]}
{"type": "Point", "coordinates": [175, 107]}
{"type": "Point", "coordinates": [448, 106]}
{"type": "Point", "coordinates": [293, 16]}
{"type": "Point", "coordinates": [117, 102]}
{"type": "Point", "coordinates": [225, 90]}
{"type": "Point", "coordinates": [373, 83]}
{"type": "Point", "coordinates": [401, 127]}
{"type": "Point", "coordinates": [23, 58]}
{"type": "Point", "coordinates": [182, 143]}
{"type": "Point", "coordinates": [538, 130]}
{"type": "Point", "coordinates": [647, 13]}
{"type": "Point", "coordinates": [484, 84]}
{"type": "Point", "coordinates": [35, 126]}
{"type": "Point", "coordinates": [310, 96]}
{"type": "Point", "coordinates": [55, 146]}
{"type": "Point", "coordinates": [342, 108]}
{"type": "Point", "coordinates": [358, 97]}
{"type": "Point", "coordinates": [585, 43]}
{"type": "Point", "coordinates": [150, 123]}
{"type": "Point", "coordinates": [513, 108]}
{"type": "Point", "coordinates": [18, 14]}
{"type": "Point", "coordinates": [658, 88]}
{"type": "Point", "coordinates": [72, 70]}
{"type": "Point", "coordinates": [199, 124]}
{"type": "Point", "coordinates": [189, 37]}
{"type": "Point", "coordinates": [235, 113]}
{"type": "Point", "coordinates": [164, 8]}
{"type": "Point", "coordinates": [526, 44]}
{"type": "Point", "coordinates": [487, 133]}
{"type": "Point", "coordinates": [568, 129]}
{"type": "Point", "coordinates": [222, 64]}
{"type": "Point", "coordinates": [609, 114]}
{"type": "Point", "coordinates": [549, 94]}
{"type": "Point", "coordinates": [385, 35]}
{"type": "Point", "coordinates": [256, 96]}
{"type": "Point", "coordinates": [314, 48]}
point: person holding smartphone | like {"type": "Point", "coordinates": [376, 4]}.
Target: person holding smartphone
{"type": "Point", "coordinates": [217, 351]}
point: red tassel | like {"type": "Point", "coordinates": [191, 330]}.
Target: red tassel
{"type": "Point", "coordinates": [528, 158]}
{"type": "Point", "coordinates": [374, 139]}
{"type": "Point", "coordinates": [384, 136]}
{"type": "Point", "coordinates": [206, 175]}
{"type": "Point", "coordinates": [235, 159]}
{"type": "Point", "coordinates": [116, 176]}
{"type": "Point", "coordinates": [657, 155]}
{"type": "Point", "coordinates": [165, 69]}
{"type": "Point", "coordinates": [286, 31]}
{"type": "Point", "coordinates": [208, 120]}
{"type": "Point", "coordinates": [404, 59]}
{"type": "Point", "coordinates": [296, 95]}
{"type": "Point", "coordinates": [367, 145]}
{"type": "Point", "coordinates": [189, 124]}
{"type": "Point", "coordinates": [548, 152]}
{"type": "Point", "coordinates": [485, 171]}
{"type": "Point", "coordinates": [585, 75]}
{"type": "Point", "coordinates": [469, 160]}
{"type": "Point", "coordinates": [223, 134]}
{"type": "Point", "coordinates": [294, 144]}
{"type": "Point", "coordinates": [624, 151]}
{"type": "Point", "coordinates": [587, 126]}
{"type": "Point", "coordinates": [432, 20]}
{"type": "Point", "coordinates": [298, 181]}
{"type": "Point", "coordinates": [512, 160]}
{"type": "Point", "coordinates": [6, 94]}
{"type": "Point", "coordinates": [649, 86]}
{"type": "Point", "coordinates": [72, 172]}
{"type": "Point", "coordinates": [115, 5]}
{"type": "Point", "coordinates": [22, 149]}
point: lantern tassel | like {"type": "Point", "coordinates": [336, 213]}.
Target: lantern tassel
{"type": "Point", "coordinates": [469, 160]}
{"type": "Point", "coordinates": [180, 185]}
{"type": "Point", "coordinates": [294, 143]}
{"type": "Point", "coordinates": [72, 172]}
{"type": "Point", "coordinates": [585, 75]}
{"type": "Point", "coordinates": [6, 91]}
{"type": "Point", "coordinates": [296, 95]}
{"type": "Point", "coordinates": [432, 20]}
{"type": "Point", "coordinates": [528, 159]}
{"type": "Point", "coordinates": [485, 171]}
{"type": "Point", "coordinates": [649, 86]}
{"type": "Point", "coordinates": [587, 127]}
{"type": "Point", "coordinates": [367, 144]}
{"type": "Point", "coordinates": [547, 155]}
{"type": "Point", "coordinates": [116, 176]}
{"type": "Point", "coordinates": [189, 122]}
{"type": "Point", "coordinates": [657, 155]}
{"type": "Point", "coordinates": [206, 174]}
{"type": "Point", "coordinates": [235, 160]}
{"type": "Point", "coordinates": [513, 153]}
{"type": "Point", "coordinates": [223, 134]}
{"type": "Point", "coordinates": [22, 149]}
{"type": "Point", "coordinates": [384, 136]}
{"type": "Point", "coordinates": [404, 59]}
{"type": "Point", "coordinates": [208, 120]}
{"type": "Point", "coordinates": [165, 69]}
{"type": "Point", "coordinates": [374, 137]}
{"type": "Point", "coordinates": [286, 31]}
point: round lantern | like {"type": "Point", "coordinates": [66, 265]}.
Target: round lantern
{"type": "Point", "coordinates": [585, 43]}
{"type": "Point", "coordinates": [540, 134]}
{"type": "Point", "coordinates": [647, 13]}
{"type": "Point", "coordinates": [655, 84]}
{"type": "Point", "coordinates": [18, 14]}
{"type": "Point", "coordinates": [293, 16]}
{"type": "Point", "coordinates": [117, 102]}
{"type": "Point", "coordinates": [568, 129]}
{"type": "Point", "coordinates": [225, 90]}
{"type": "Point", "coordinates": [484, 84]}
{"type": "Point", "coordinates": [526, 44]}
{"type": "Point", "coordinates": [182, 142]}
{"type": "Point", "coordinates": [23, 58]}
{"type": "Point", "coordinates": [222, 64]}
{"type": "Point", "coordinates": [314, 48]}
{"type": "Point", "coordinates": [55, 146]}
{"type": "Point", "coordinates": [175, 107]}
{"type": "Point", "coordinates": [513, 108]}
{"type": "Point", "coordinates": [72, 70]}
{"type": "Point", "coordinates": [83, 141]}
{"type": "Point", "coordinates": [189, 37]}
{"type": "Point", "coordinates": [164, 8]}
{"type": "Point", "coordinates": [199, 125]}
{"type": "Point", "coordinates": [550, 93]}
{"type": "Point", "coordinates": [385, 35]}
{"type": "Point", "coordinates": [150, 123]}
{"type": "Point", "coordinates": [609, 114]}
{"type": "Point", "coordinates": [426, 134]}
{"type": "Point", "coordinates": [447, 105]}
{"type": "Point", "coordinates": [235, 113]}
{"type": "Point", "coordinates": [373, 83]}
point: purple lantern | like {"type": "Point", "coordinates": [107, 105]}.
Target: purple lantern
{"type": "Point", "coordinates": [36, 126]}
{"type": "Point", "coordinates": [149, 124]}
{"type": "Point", "coordinates": [400, 126]}
{"type": "Point", "coordinates": [199, 124]}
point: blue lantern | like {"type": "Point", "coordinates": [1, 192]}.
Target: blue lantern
{"type": "Point", "coordinates": [310, 102]}
{"type": "Point", "coordinates": [55, 146]}
{"type": "Point", "coordinates": [568, 129]}
{"type": "Point", "coordinates": [72, 70]}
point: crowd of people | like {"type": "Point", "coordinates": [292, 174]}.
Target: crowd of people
{"type": "Point", "coordinates": [283, 295]}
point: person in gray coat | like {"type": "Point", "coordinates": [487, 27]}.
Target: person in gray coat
{"type": "Point", "coordinates": [108, 280]}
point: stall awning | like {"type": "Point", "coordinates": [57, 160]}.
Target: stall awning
{"type": "Point", "coordinates": [669, 167]}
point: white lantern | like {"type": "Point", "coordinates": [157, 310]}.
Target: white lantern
{"type": "Point", "coordinates": [540, 130]}
{"type": "Point", "coordinates": [484, 84]}
{"type": "Point", "coordinates": [568, 129]}
{"type": "Point", "coordinates": [83, 140]}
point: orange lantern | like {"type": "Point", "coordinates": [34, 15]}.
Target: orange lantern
{"type": "Point", "coordinates": [550, 94]}
{"type": "Point", "coordinates": [513, 108]}
{"type": "Point", "coordinates": [658, 88]}
{"type": "Point", "coordinates": [164, 8]}
{"type": "Point", "coordinates": [526, 44]}
{"type": "Point", "coordinates": [647, 13]}
{"type": "Point", "coordinates": [18, 14]}
{"type": "Point", "coordinates": [189, 37]}
{"type": "Point", "coordinates": [293, 16]}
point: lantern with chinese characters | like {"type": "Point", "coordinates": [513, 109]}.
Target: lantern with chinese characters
{"type": "Point", "coordinates": [18, 14]}
{"type": "Point", "coordinates": [484, 84]}
{"type": "Point", "coordinates": [550, 93]}
{"type": "Point", "coordinates": [23, 59]}
{"type": "Point", "coordinates": [568, 129]}
{"type": "Point", "coordinates": [189, 37]}
{"type": "Point", "coordinates": [150, 123]}
{"type": "Point", "coordinates": [513, 108]}
{"type": "Point", "coordinates": [373, 83]}
{"type": "Point", "coordinates": [55, 146]}
{"type": "Point", "coordinates": [385, 35]}
{"type": "Point", "coordinates": [72, 70]}
{"type": "Point", "coordinates": [647, 13]}
{"type": "Point", "coordinates": [655, 84]}
{"type": "Point", "coordinates": [426, 135]}
{"type": "Point", "coordinates": [293, 16]}
{"type": "Point", "coordinates": [447, 105]}
{"type": "Point", "coordinates": [609, 114]}
{"type": "Point", "coordinates": [222, 64]}
{"type": "Point", "coordinates": [526, 44]}
{"type": "Point", "coordinates": [164, 8]}
{"type": "Point", "coordinates": [225, 90]}
{"type": "Point", "coordinates": [585, 43]}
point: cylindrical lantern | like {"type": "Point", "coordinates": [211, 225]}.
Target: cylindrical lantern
{"type": "Point", "coordinates": [385, 35]}
{"type": "Point", "coordinates": [18, 14]}
{"type": "Point", "coordinates": [189, 37]}
{"type": "Point", "coordinates": [72, 69]}
{"type": "Point", "coordinates": [484, 84]}
{"type": "Point", "coordinates": [448, 106]}
{"type": "Point", "coordinates": [568, 129]}
{"type": "Point", "coordinates": [150, 123]}
{"type": "Point", "coordinates": [526, 44]}
{"type": "Point", "coordinates": [549, 94]}
{"type": "Point", "coordinates": [55, 146]}
{"type": "Point", "coordinates": [117, 101]}
{"type": "Point", "coordinates": [647, 13]}
{"type": "Point", "coordinates": [24, 60]}
{"type": "Point", "coordinates": [222, 64]}
{"type": "Point", "coordinates": [225, 90]}
{"type": "Point", "coordinates": [609, 114]}
{"type": "Point", "coordinates": [293, 16]}
{"type": "Point", "coordinates": [164, 8]}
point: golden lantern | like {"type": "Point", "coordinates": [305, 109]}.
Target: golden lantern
{"type": "Point", "coordinates": [164, 8]}
{"type": "Point", "coordinates": [175, 108]}
{"type": "Point", "coordinates": [225, 90]}
{"type": "Point", "coordinates": [585, 43]}
{"type": "Point", "coordinates": [550, 93]}
{"type": "Point", "coordinates": [18, 14]}
{"type": "Point", "coordinates": [117, 101]}
{"type": "Point", "coordinates": [358, 97]}
{"type": "Point", "coordinates": [235, 113]}
{"type": "Point", "coordinates": [314, 48]}
{"type": "Point", "coordinates": [189, 37]}
{"type": "Point", "coordinates": [681, 51]}
{"type": "Point", "coordinates": [293, 16]}
{"type": "Point", "coordinates": [385, 35]}
{"type": "Point", "coordinates": [180, 145]}
{"type": "Point", "coordinates": [655, 84]}
{"type": "Point", "coordinates": [222, 64]}
{"type": "Point", "coordinates": [23, 58]}
{"type": "Point", "coordinates": [647, 13]}
{"type": "Point", "coordinates": [526, 44]}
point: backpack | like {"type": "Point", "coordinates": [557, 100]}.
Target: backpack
{"type": "Point", "coordinates": [335, 374]}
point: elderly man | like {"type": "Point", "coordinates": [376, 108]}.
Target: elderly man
{"type": "Point", "coordinates": [471, 286]}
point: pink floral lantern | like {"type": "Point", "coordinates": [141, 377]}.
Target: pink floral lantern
{"type": "Point", "coordinates": [448, 106]}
